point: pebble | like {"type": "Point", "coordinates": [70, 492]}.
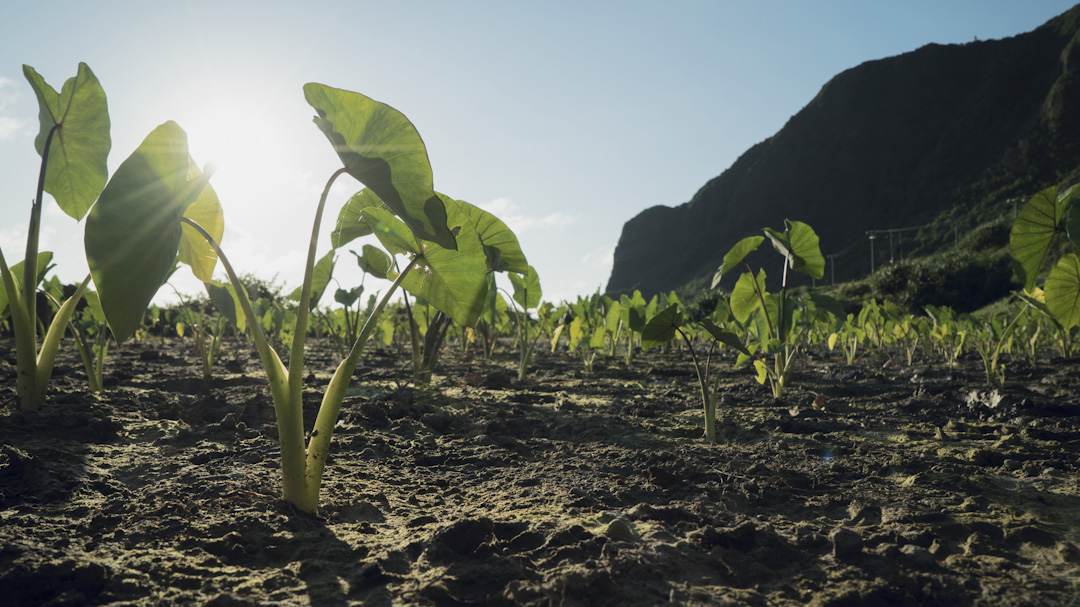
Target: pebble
{"type": "Point", "coordinates": [846, 542]}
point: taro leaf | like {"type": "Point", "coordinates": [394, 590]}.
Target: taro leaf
{"type": "Point", "coordinates": [348, 297]}
{"type": "Point", "coordinates": [735, 256]}
{"type": "Point", "coordinates": [349, 225]}
{"type": "Point", "coordinates": [374, 261]}
{"type": "Point", "coordinates": [1062, 291]}
{"type": "Point", "coordinates": [44, 264]}
{"type": "Point", "coordinates": [454, 282]}
{"type": "Point", "coordinates": [1033, 230]}
{"type": "Point", "coordinates": [799, 244]}
{"type": "Point", "coordinates": [500, 244]}
{"type": "Point", "coordinates": [383, 151]}
{"type": "Point", "coordinates": [391, 231]}
{"type": "Point", "coordinates": [225, 303]}
{"type": "Point", "coordinates": [724, 337]}
{"type": "Point", "coordinates": [830, 305]}
{"type": "Point", "coordinates": [805, 246]}
{"type": "Point", "coordinates": [133, 232]}
{"type": "Point", "coordinates": [205, 211]}
{"type": "Point", "coordinates": [527, 291]}
{"type": "Point", "coordinates": [489, 314]}
{"type": "Point", "coordinates": [320, 278]}
{"type": "Point", "coordinates": [94, 303]}
{"type": "Point", "coordinates": [744, 298]}
{"type": "Point", "coordinates": [76, 170]}
{"type": "Point", "coordinates": [661, 328]}
{"type": "Point", "coordinates": [635, 319]}
{"type": "Point", "coordinates": [599, 338]}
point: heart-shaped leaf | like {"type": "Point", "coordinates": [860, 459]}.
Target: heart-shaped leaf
{"type": "Point", "coordinates": [661, 328]}
{"type": "Point", "coordinates": [1033, 230]}
{"type": "Point", "coordinates": [501, 245]}
{"type": "Point", "coordinates": [349, 226]}
{"type": "Point", "coordinates": [76, 169]}
{"type": "Point", "coordinates": [133, 232]}
{"type": "Point", "coordinates": [382, 150]}
{"type": "Point", "coordinates": [1062, 291]}
{"type": "Point", "coordinates": [205, 211]}
{"type": "Point", "coordinates": [527, 291]}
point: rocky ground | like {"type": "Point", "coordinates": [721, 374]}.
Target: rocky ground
{"type": "Point", "coordinates": [913, 486]}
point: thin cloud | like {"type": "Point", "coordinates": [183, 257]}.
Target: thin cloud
{"type": "Point", "coordinates": [600, 258]}
{"type": "Point", "coordinates": [510, 213]}
{"type": "Point", "coordinates": [9, 125]}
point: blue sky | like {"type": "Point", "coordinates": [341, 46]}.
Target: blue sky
{"type": "Point", "coordinates": [565, 119]}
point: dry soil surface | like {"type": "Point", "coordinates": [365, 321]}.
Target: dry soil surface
{"type": "Point", "coordinates": [913, 486]}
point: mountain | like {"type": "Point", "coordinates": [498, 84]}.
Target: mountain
{"type": "Point", "coordinates": [891, 143]}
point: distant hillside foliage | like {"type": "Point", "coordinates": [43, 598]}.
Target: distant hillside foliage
{"type": "Point", "coordinates": [942, 131]}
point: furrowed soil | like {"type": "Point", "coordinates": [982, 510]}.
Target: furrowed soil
{"type": "Point", "coordinates": [913, 486]}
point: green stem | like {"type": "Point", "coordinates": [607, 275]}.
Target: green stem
{"type": "Point", "coordinates": [319, 445]}
{"type": "Point", "coordinates": [290, 430]}
{"type": "Point", "coordinates": [47, 357]}
{"type": "Point", "coordinates": [707, 403]}
{"type": "Point", "coordinates": [30, 268]}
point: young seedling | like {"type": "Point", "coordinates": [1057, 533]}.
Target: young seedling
{"type": "Point", "coordinates": [527, 294]}
{"type": "Point", "coordinates": [799, 246]}
{"type": "Point", "coordinates": [74, 143]}
{"type": "Point", "coordinates": [663, 327]}
{"type": "Point", "coordinates": [380, 148]}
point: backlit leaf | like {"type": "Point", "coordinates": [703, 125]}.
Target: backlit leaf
{"type": "Point", "coordinates": [76, 170]}
{"type": "Point", "coordinates": [1062, 291]}
{"type": "Point", "coordinates": [383, 150]}
{"type": "Point", "coordinates": [133, 232]}
{"type": "Point", "coordinates": [662, 327]}
{"type": "Point", "coordinates": [1033, 231]}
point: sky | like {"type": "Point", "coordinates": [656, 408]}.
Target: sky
{"type": "Point", "coordinates": [564, 119]}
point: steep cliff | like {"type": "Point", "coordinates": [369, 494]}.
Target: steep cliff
{"type": "Point", "coordinates": [888, 144]}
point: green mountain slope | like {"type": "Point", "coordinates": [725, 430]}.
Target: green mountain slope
{"type": "Point", "coordinates": [952, 131]}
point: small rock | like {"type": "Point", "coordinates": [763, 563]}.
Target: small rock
{"type": "Point", "coordinates": [918, 556]}
{"type": "Point", "coordinates": [618, 529]}
{"type": "Point", "coordinates": [846, 542]}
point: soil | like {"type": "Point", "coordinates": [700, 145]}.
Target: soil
{"type": "Point", "coordinates": [913, 486]}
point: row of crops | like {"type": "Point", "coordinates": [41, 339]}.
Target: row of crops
{"type": "Point", "coordinates": [463, 280]}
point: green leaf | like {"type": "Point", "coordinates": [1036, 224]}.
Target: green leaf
{"type": "Point", "coordinates": [1062, 291]}
{"type": "Point", "coordinates": [500, 244]}
{"type": "Point", "coordinates": [383, 150]}
{"type": "Point", "coordinates": [1033, 230]}
{"type": "Point", "coordinates": [762, 370]}
{"type": "Point", "coordinates": [224, 302]}
{"type": "Point", "coordinates": [735, 256]}
{"type": "Point", "coordinates": [44, 264]}
{"type": "Point", "coordinates": [806, 249]}
{"type": "Point", "coordinates": [830, 305]}
{"type": "Point", "coordinates": [799, 245]}
{"type": "Point", "coordinates": [391, 231]}
{"type": "Point", "coordinates": [661, 328]}
{"type": "Point", "coordinates": [133, 232]}
{"type": "Point", "coordinates": [324, 271]}
{"type": "Point", "coordinates": [94, 303]}
{"type": "Point", "coordinates": [725, 337]}
{"type": "Point", "coordinates": [349, 225]}
{"type": "Point", "coordinates": [527, 291]}
{"type": "Point", "coordinates": [205, 211]}
{"type": "Point", "coordinates": [374, 261]}
{"type": "Point", "coordinates": [76, 169]}
{"type": "Point", "coordinates": [744, 298]}
{"type": "Point", "coordinates": [455, 282]}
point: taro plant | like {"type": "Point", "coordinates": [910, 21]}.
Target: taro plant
{"type": "Point", "coordinates": [444, 258]}
{"type": "Point", "coordinates": [798, 244]}
{"type": "Point", "coordinates": [1047, 218]}
{"type": "Point", "coordinates": [527, 294]}
{"type": "Point", "coordinates": [663, 327]}
{"type": "Point", "coordinates": [74, 143]}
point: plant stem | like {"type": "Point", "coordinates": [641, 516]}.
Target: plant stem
{"type": "Point", "coordinates": [319, 445]}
